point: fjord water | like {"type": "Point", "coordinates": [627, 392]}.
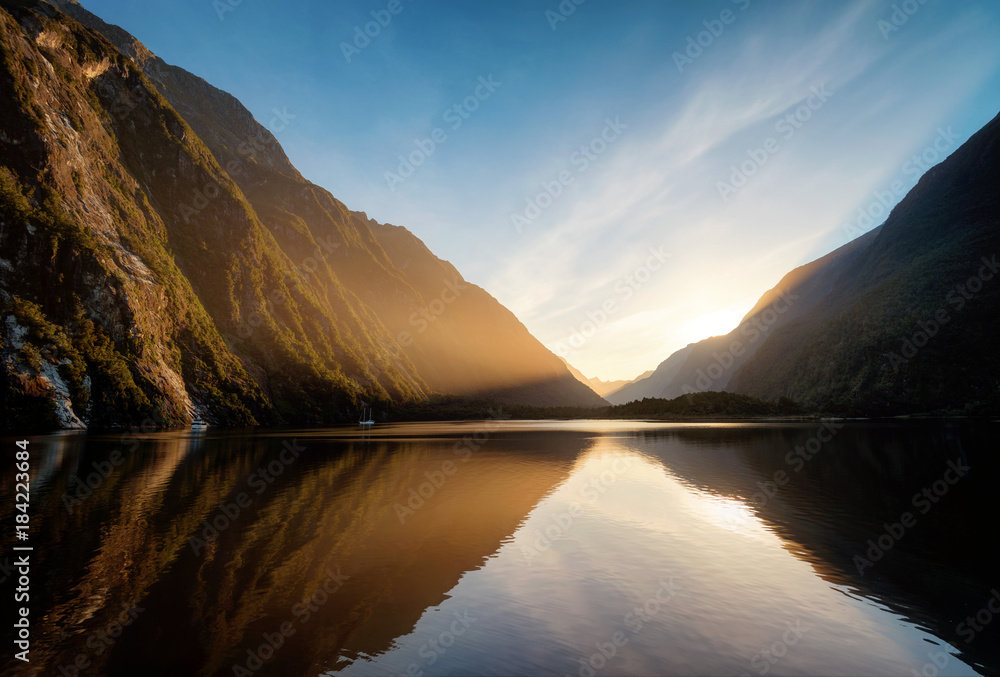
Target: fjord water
{"type": "Point", "coordinates": [495, 548]}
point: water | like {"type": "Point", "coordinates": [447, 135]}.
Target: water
{"type": "Point", "coordinates": [496, 548]}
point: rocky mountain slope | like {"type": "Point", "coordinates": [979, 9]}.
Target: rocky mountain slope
{"type": "Point", "coordinates": [162, 258]}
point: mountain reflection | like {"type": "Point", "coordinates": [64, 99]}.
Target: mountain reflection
{"type": "Point", "coordinates": [937, 574]}
{"type": "Point", "coordinates": [334, 509]}
{"type": "Point", "coordinates": [190, 555]}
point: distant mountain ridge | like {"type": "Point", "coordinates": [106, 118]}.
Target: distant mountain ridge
{"type": "Point", "coordinates": [600, 387]}
{"type": "Point", "coordinates": [607, 387]}
{"type": "Point", "coordinates": [162, 258]}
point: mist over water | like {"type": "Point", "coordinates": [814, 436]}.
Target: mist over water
{"type": "Point", "coordinates": [495, 548]}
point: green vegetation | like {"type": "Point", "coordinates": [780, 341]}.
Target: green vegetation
{"type": "Point", "coordinates": [212, 269]}
{"type": "Point", "coordinates": [13, 204]}
{"type": "Point", "coordinates": [696, 406]}
{"type": "Point", "coordinates": [98, 375]}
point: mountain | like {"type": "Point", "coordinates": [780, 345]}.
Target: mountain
{"type": "Point", "coordinates": [910, 324]}
{"type": "Point", "coordinates": [901, 320]}
{"type": "Point", "coordinates": [604, 388]}
{"type": "Point", "coordinates": [162, 258]}
{"type": "Point", "coordinates": [654, 384]}
{"type": "Point", "coordinates": [579, 375]}
{"type": "Point", "coordinates": [463, 340]}
{"type": "Point", "coordinates": [709, 365]}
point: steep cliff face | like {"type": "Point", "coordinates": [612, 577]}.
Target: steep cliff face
{"type": "Point", "coordinates": [162, 257]}
{"type": "Point", "coordinates": [99, 322]}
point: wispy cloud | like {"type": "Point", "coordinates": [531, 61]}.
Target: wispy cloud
{"type": "Point", "coordinates": [784, 216]}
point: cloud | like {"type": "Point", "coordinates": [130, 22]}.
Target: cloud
{"type": "Point", "coordinates": [656, 188]}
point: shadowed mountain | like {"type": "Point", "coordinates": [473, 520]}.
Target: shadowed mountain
{"type": "Point", "coordinates": [900, 320]}
{"type": "Point", "coordinates": [910, 324]}
{"type": "Point", "coordinates": [592, 383]}
{"type": "Point", "coordinates": [828, 508]}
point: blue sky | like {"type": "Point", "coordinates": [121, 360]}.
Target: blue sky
{"type": "Point", "coordinates": [637, 145]}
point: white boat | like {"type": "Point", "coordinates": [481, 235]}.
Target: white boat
{"type": "Point", "coordinates": [199, 424]}
{"type": "Point", "coordinates": [366, 421]}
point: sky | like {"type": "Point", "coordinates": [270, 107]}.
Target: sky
{"type": "Point", "coordinates": [626, 176]}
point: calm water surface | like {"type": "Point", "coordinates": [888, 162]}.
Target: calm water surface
{"type": "Point", "coordinates": [499, 548]}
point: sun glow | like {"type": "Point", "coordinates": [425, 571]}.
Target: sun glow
{"type": "Point", "coordinates": [717, 323]}
{"type": "Point", "coordinates": [730, 514]}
